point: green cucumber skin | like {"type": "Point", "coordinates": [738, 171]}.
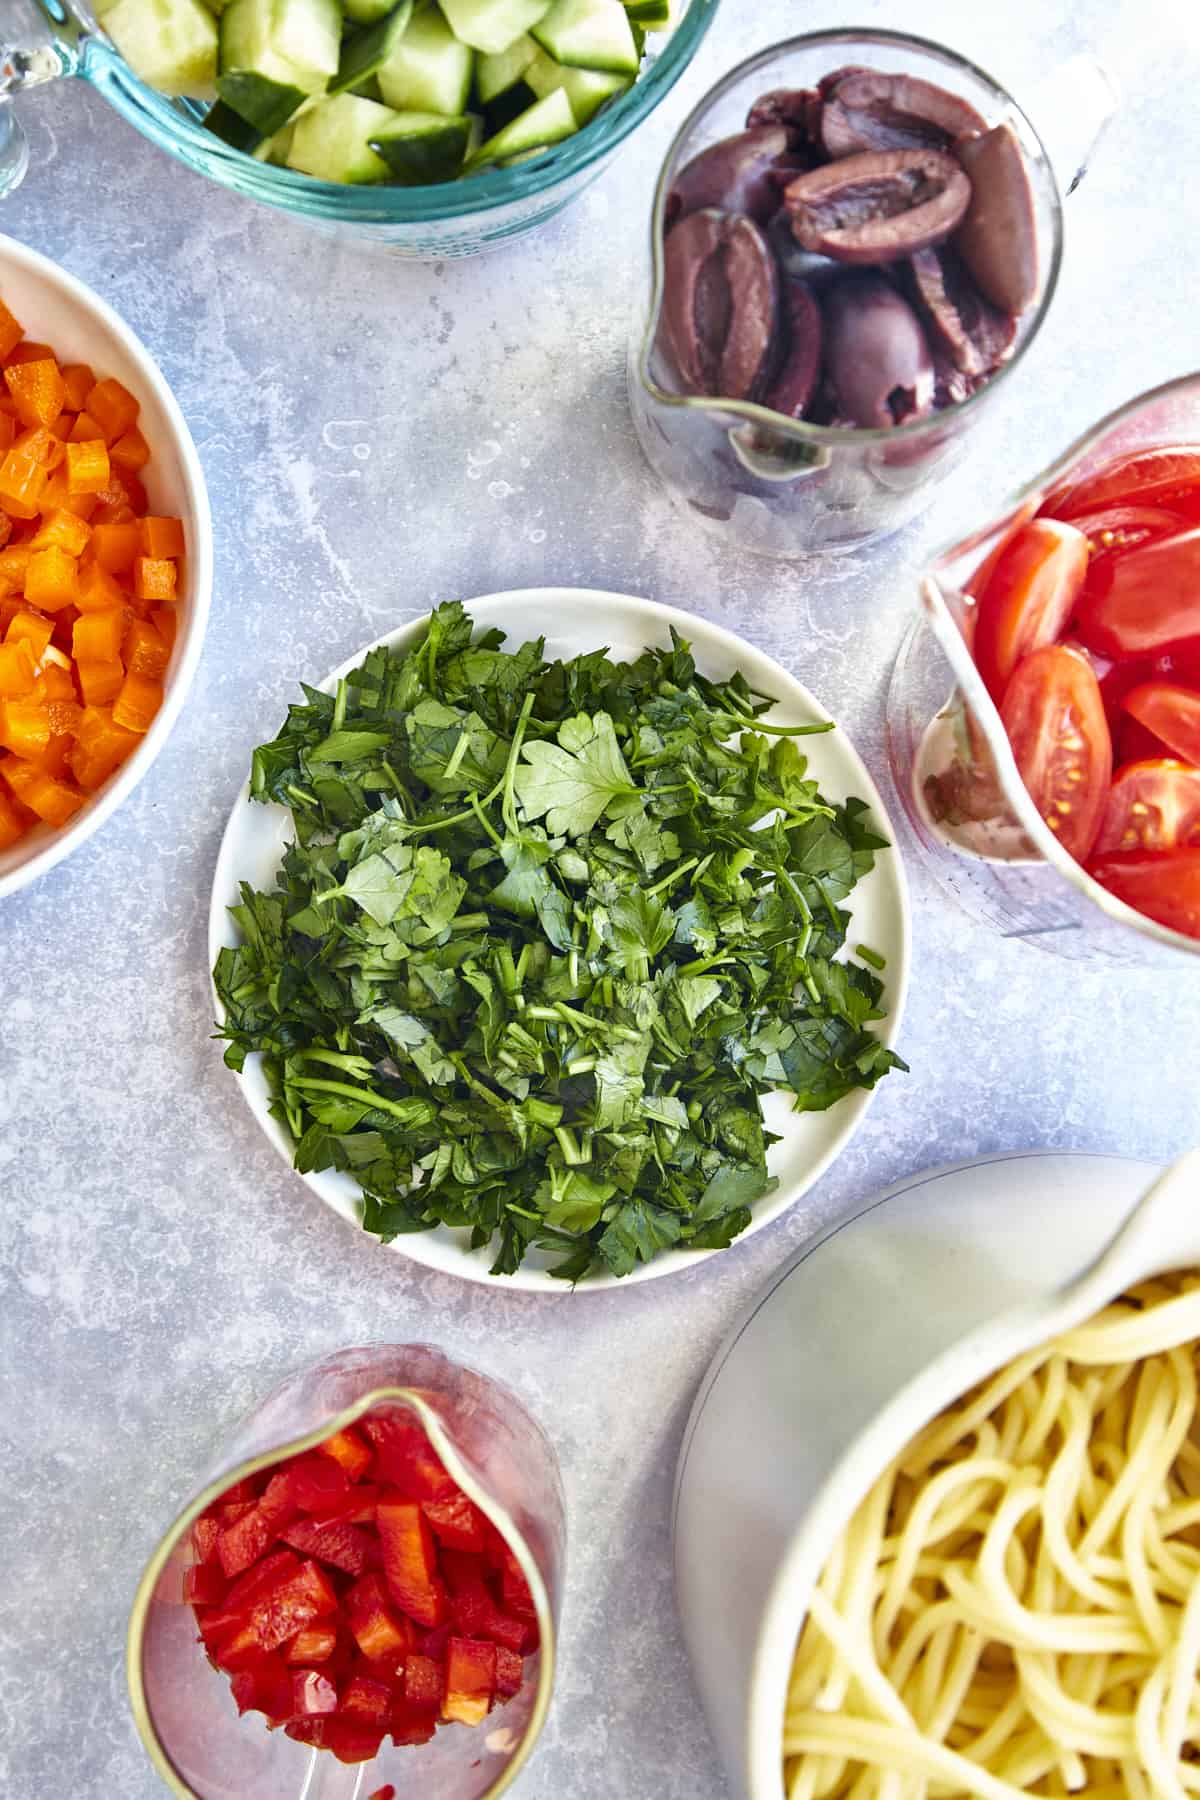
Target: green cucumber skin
{"type": "Point", "coordinates": [332, 141]}
{"type": "Point", "coordinates": [425, 157]}
{"type": "Point", "coordinates": [547, 122]}
{"type": "Point", "coordinates": [365, 52]}
{"type": "Point", "coordinates": [265, 105]}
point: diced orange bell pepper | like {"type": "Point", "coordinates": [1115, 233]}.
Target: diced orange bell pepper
{"type": "Point", "coordinates": [16, 670]}
{"type": "Point", "coordinates": [98, 590]}
{"type": "Point", "coordinates": [100, 682]}
{"type": "Point", "coordinates": [88, 470]}
{"type": "Point", "coordinates": [29, 628]}
{"type": "Point", "coordinates": [144, 652]}
{"type": "Point", "coordinates": [165, 621]}
{"type": "Point", "coordinates": [130, 452]}
{"type": "Point", "coordinates": [161, 537]}
{"type": "Point", "coordinates": [78, 382]}
{"type": "Point", "coordinates": [41, 446]}
{"type": "Point", "coordinates": [410, 1560]}
{"type": "Point", "coordinates": [24, 727]}
{"type": "Point", "coordinates": [11, 332]}
{"type": "Point", "coordinates": [98, 636]}
{"type": "Point", "coordinates": [85, 429]}
{"type": "Point", "coordinates": [154, 578]}
{"type": "Point", "coordinates": [51, 579]}
{"type": "Point", "coordinates": [65, 716]}
{"type": "Point", "coordinates": [113, 407]}
{"type": "Point", "coordinates": [66, 529]}
{"type": "Point", "coordinates": [115, 546]}
{"type": "Point", "coordinates": [101, 746]}
{"type": "Point", "coordinates": [38, 391]}
{"type": "Point", "coordinates": [41, 792]}
{"type": "Point", "coordinates": [55, 682]}
{"type": "Point", "coordinates": [61, 428]}
{"type": "Point", "coordinates": [14, 561]}
{"type": "Point", "coordinates": [8, 431]}
{"type": "Point", "coordinates": [12, 821]}
{"type": "Point", "coordinates": [470, 1680]}
{"type": "Point", "coordinates": [57, 496]}
{"type": "Point", "coordinates": [21, 483]}
{"type": "Point", "coordinates": [29, 350]}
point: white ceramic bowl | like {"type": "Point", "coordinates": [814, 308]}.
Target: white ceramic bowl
{"type": "Point", "coordinates": [857, 1342]}
{"type": "Point", "coordinates": [574, 620]}
{"type": "Point", "coordinates": [59, 310]}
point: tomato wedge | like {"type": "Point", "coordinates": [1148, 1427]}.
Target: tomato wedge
{"type": "Point", "coordinates": [1112, 529]}
{"type": "Point", "coordinates": [1054, 717]}
{"type": "Point", "coordinates": [1152, 806]}
{"type": "Point", "coordinates": [1172, 713]}
{"type": "Point", "coordinates": [977, 583]}
{"type": "Point", "coordinates": [1138, 475]}
{"type": "Point", "coordinates": [1030, 595]}
{"type": "Point", "coordinates": [1166, 888]}
{"type": "Point", "coordinates": [1145, 602]}
{"type": "Point", "coordinates": [1132, 743]}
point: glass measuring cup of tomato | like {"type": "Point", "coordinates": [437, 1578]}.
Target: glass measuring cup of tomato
{"type": "Point", "coordinates": [383, 1539]}
{"type": "Point", "coordinates": [1055, 790]}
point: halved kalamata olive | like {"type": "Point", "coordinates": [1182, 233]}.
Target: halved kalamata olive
{"type": "Point", "coordinates": [876, 353]}
{"type": "Point", "coordinates": [721, 303]}
{"type": "Point", "coordinates": [799, 109]}
{"type": "Point", "coordinates": [795, 263]}
{"type": "Point", "coordinates": [867, 110]}
{"type": "Point", "coordinates": [742, 174]}
{"type": "Point", "coordinates": [880, 206]}
{"type": "Point", "coordinates": [998, 237]}
{"type": "Point", "coordinates": [794, 386]}
{"type": "Point", "coordinates": [974, 334]}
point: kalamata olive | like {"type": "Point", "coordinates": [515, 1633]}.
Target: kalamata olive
{"type": "Point", "coordinates": [876, 353]}
{"type": "Point", "coordinates": [795, 263]}
{"type": "Point", "coordinates": [721, 304]}
{"type": "Point", "coordinates": [794, 386]}
{"type": "Point", "coordinates": [998, 237]}
{"type": "Point", "coordinates": [879, 206]}
{"type": "Point", "coordinates": [864, 109]}
{"type": "Point", "coordinates": [798, 109]}
{"type": "Point", "coordinates": [742, 174]}
{"type": "Point", "coordinates": [975, 335]}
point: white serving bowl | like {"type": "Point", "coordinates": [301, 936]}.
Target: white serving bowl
{"type": "Point", "coordinates": [56, 308]}
{"type": "Point", "coordinates": [861, 1339]}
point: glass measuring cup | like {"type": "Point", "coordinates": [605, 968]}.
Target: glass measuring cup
{"type": "Point", "coordinates": [502, 1461]}
{"type": "Point", "coordinates": [975, 825]}
{"type": "Point", "coordinates": [784, 487]}
{"type": "Point", "coordinates": [41, 40]}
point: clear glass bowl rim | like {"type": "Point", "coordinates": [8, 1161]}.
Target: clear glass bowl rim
{"type": "Point", "coordinates": [801, 429]}
{"type": "Point", "coordinates": [157, 118]}
{"type": "Point", "coordinates": [935, 618]}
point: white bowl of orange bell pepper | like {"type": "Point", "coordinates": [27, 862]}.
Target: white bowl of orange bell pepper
{"type": "Point", "coordinates": [105, 563]}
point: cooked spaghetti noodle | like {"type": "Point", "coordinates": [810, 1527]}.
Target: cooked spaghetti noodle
{"type": "Point", "coordinates": [1014, 1608]}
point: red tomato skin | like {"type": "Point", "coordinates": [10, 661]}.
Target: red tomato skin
{"type": "Point", "coordinates": [1132, 743]}
{"type": "Point", "coordinates": [1030, 596]}
{"type": "Point", "coordinates": [1165, 888]}
{"type": "Point", "coordinates": [1145, 603]}
{"type": "Point", "coordinates": [1138, 475]}
{"type": "Point", "coordinates": [1153, 806]}
{"type": "Point", "coordinates": [1172, 713]}
{"type": "Point", "coordinates": [1114, 530]}
{"type": "Point", "coordinates": [1054, 714]}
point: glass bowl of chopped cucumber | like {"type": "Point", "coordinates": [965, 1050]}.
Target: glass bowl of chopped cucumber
{"type": "Point", "coordinates": [433, 128]}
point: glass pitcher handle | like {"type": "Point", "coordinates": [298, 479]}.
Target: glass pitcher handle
{"type": "Point", "coordinates": [37, 44]}
{"type": "Point", "coordinates": [328, 1779]}
{"type": "Point", "coordinates": [1072, 108]}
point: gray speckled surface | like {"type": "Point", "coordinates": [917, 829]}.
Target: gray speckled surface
{"type": "Point", "coordinates": [377, 436]}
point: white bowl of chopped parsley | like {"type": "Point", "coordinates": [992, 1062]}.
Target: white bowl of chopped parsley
{"type": "Point", "coordinates": [559, 938]}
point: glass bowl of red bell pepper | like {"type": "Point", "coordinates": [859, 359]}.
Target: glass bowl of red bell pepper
{"type": "Point", "coordinates": [370, 1574]}
{"type": "Point", "coordinates": [1056, 791]}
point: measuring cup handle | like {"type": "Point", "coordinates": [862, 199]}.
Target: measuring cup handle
{"type": "Point", "coordinates": [1072, 108]}
{"type": "Point", "coordinates": [30, 54]}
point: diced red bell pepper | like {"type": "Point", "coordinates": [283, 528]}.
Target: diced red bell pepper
{"type": "Point", "coordinates": [249, 1488]}
{"type": "Point", "coordinates": [320, 1485]}
{"type": "Point", "coordinates": [387, 1792]}
{"type": "Point", "coordinates": [379, 1633]}
{"type": "Point", "coordinates": [514, 1634]}
{"type": "Point", "coordinates": [204, 1584]}
{"type": "Point", "coordinates": [363, 1697]}
{"type": "Point", "coordinates": [332, 1542]}
{"type": "Point", "coordinates": [433, 1643]}
{"type": "Point", "coordinates": [235, 1510]}
{"type": "Point", "coordinates": [510, 1672]}
{"type": "Point", "coordinates": [407, 1460]}
{"type": "Point", "coordinates": [470, 1680]}
{"type": "Point", "coordinates": [292, 1607]}
{"type": "Point", "coordinates": [347, 1449]}
{"type": "Point", "coordinates": [313, 1694]}
{"type": "Point", "coordinates": [410, 1560]}
{"type": "Point", "coordinates": [205, 1533]}
{"type": "Point", "coordinates": [423, 1683]}
{"type": "Point", "coordinates": [515, 1597]}
{"type": "Point", "coordinates": [315, 1644]}
{"type": "Point", "coordinates": [260, 1580]}
{"type": "Point", "coordinates": [408, 1727]}
{"type": "Point", "coordinates": [351, 1740]}
{"type": "Point", "coordinates": [264, 1686]}
{"type": "Point", "coordinates": [242, 1543]}
{"type": "Point", "coordinates": [473, 1609]}
{"type": "Point", "coordinates": [455, 1522]}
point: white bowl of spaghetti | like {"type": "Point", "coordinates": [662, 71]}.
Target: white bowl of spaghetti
{"type": "Point", "coordinates": [995, 1590]}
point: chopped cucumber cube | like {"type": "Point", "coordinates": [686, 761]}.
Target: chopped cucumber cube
{"type": "Point", "coordinates": [366, 12]}
{"type": "Point", "coordinates": [169, 44]}
{"type": "Point", "coordinates": [492, 25]}
{"type": "Point", "coordinates": [428, 69]}
{"type": "Point", "coordinates": [292, 43]}
{"type": "Point", "coordinates": [547, 122]}
{"type": "Point", "coordinates": [265, 105]}
{"type": "Point", "coordinates": [333, 141]}
{"type": "Point", "coordinates": [423, 147]}
{"type": "Point", "coordinates": [586, 89]}
{"type": "Point", "coordinates": [365, 52]}
{"type": "Point", "coordinates": [652, 14]}
{"type": "Point", "coordinates": [231, 128]}
{"type": "Point", "coordinates": [589, 34]}
{"type": "Point", "coordinates": [494, 75]}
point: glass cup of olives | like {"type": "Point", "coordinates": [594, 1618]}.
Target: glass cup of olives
{"type": "Point", "coordinates": [855, 237]}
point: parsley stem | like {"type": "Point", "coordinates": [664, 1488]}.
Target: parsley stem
{"type": "Point", "coordinates": [351, 1065]}
{"type": "Point", "coordinates": [476, 921]}
{"type": "Point", "coordinates": [830, 908]}
{"type": "Point", "coordinates": [477, 809]}
{"type": "Point", "coordinates": [339, 704]}
{"type": "Point", "coordinates": [749, 723]}
{"type": "Point", "coordinates": [871, 956]}
{"type": "Point", "coordinates": [365, 1096]}
{"type": "Point", "coordinates": [573, 1156]}
{"type": "Point", "coordinates": [668, 881]}
{"type": "Point", "coordinates": [456, 755]}
{"type": "Point", "coordinates": [802, 906]}
{"type": "Point", "coordinates": [510, 767]}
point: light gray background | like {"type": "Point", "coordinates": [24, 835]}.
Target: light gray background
{"type": "Point", "coordinates": [378, 436]}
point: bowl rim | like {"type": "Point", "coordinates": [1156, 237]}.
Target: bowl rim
{"type": "Point", "coordinates": [117, 789]}
{"type": "Point", "coordinates": [170, 127]}
{"type": "Point", "coordinates": [654, 618]}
